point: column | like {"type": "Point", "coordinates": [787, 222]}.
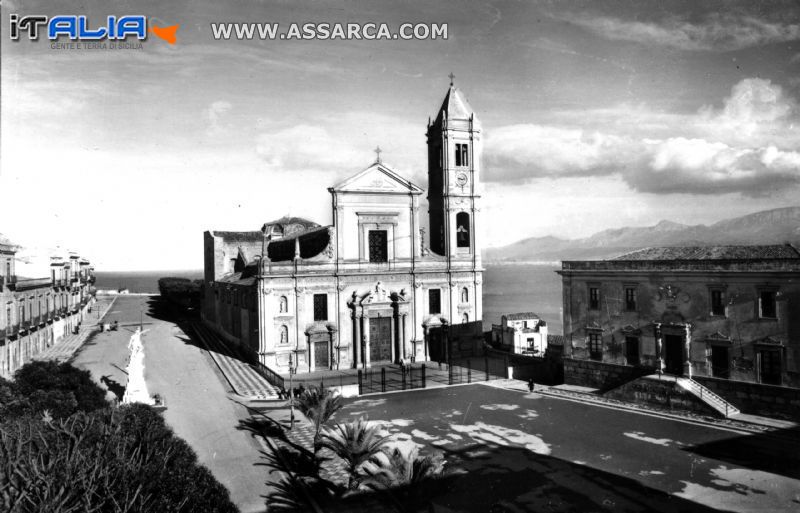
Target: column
{"type": "Point", "coordinates": [425, 344]}
{"type": "Point", "coordinates": [312, 366]}
{"type": "Point", "coordinates": [357, 340]}
{"type": "Point", "coordinates": [403, 335]}
{"type": "Point", "coordinates": [365, 350]}
{"type": "Point", "coordinates": [333, 353]}
{"type": "Point", "coordinates": [687, 365]}
{"type": "Point", "coordinates": [395, 338]}
{"type": "Point", "coordinates": [659, 356]}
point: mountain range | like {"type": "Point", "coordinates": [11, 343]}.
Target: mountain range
{"type": "Point", "coordinates": [777, 226]}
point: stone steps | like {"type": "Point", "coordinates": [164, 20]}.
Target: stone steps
{"type": "Point", "coordinates": [707, 396]}
{"type": "Point", "coordinates": [244, 380]}
{"type": "Point", "coordinates": [672, 393]}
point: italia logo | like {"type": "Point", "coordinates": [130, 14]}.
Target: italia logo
{"type": "Point", "coordinates": [78, 28]}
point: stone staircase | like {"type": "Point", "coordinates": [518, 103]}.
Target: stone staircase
{"type": "Point", "coordinates": [707, 396]}
{"type": "Point", "coordinates": [672, 393]}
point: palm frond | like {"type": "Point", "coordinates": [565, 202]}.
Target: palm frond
{"type": "Point", "coordinates": [355, 442]}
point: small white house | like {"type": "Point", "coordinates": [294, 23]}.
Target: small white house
{"type": "Point", "coordinates": [522, 333]}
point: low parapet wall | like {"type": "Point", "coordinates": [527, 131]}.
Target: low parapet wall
{"type": "Point", "coordinates": [605, 376]}
{"type": "Point", "coordinates": [755, 398]}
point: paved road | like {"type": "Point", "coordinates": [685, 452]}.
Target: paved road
{"type": "Point", "coordinates": [526, 452]}
{"type": "Point", "coordinates": [199, 407]}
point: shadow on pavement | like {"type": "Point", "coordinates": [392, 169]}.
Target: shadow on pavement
{"type": "Point", "coordinates": [116, 388]}
{"type": "Point", "coordinates": [187, 319]}
{"type": "Point", "coordinates": [503, 479]}
{"type": "Point", "coordinates": [777, 452]}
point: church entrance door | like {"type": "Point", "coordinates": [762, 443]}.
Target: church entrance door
{"type": "Point", "coordinates": [380, 339]}
{"type": "Point", "coordinates": [321, 355]}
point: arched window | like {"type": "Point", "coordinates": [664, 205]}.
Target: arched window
{"type": "Point", "coordinates": [465, 295]}
{"type": "Point", "coordinates": [462, 230]}
{"type": "Point", "coordinates": [284, 305]}
{"type": "Point", "coordinates": [465, 318]}
{"type": "Point", "coordinates": [284, 335]}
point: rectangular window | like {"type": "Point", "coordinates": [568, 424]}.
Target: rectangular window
{"type": "Point", "coordinates": [767, 302]}
{"type": "Point", "coordinates": [717, 302]}
{"type": "Point", "coordinates": [434, 301]}
{"type": "Point", "coordinates": [630, 299]}
{"type": "Point", "coordinates": [378, 246]}
{"type": "Point", "coordinates": [594, 298]}
{"type": "Point", "coordinates": [462, 155]}
{"type": "Point", "coordinates": [595, 346]}
{"type": "Point", "coordinates": [320, 307]}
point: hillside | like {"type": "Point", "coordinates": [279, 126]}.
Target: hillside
{"type": "Point", "coordinates": [775, 226]}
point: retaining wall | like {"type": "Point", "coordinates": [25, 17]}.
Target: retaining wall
{"type": "Point", "coordinates": [605, 376]}
{"type": "Point", "coordinates": [755, 398]}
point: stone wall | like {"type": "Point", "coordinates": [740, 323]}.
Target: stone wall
{"type": "Point", "coordinates": [605, 376]}
{"type": "Point", "coordinates": [544, 371]}
{"type": "Point", "coordinates": [755, 398]}
{"type": "Point", "coordinates": [664, 393]}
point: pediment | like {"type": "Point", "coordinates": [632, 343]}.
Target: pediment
{"type": "Point", "coordinates": [377, 178]}
{"type": "Point", "coordinates": [769, 341]}
{"type": "Point", "coordinates": [629, 329]}
{"type": "Point", "coordinates": [593, 326]}
{"type": "Point", "coordinates": [719, 336]}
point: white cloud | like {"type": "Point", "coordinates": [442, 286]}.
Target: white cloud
{"type": "Point", "coordinates": [304, 148]}
{"type": "Point", "coordinates": [214, 113]}
{"type": "Point", "coordinates": [720, 32]}
{"type": "Point", "coordinates": [749, 146]}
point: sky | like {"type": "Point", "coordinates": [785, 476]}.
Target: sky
{"type": "Point", "coordinates": [595, 115]}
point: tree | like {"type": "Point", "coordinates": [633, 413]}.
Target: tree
{"type": "Point", "coordinates": [60, 389]}
{"type": "Point", "coordinates": [181, 291]}
{"type": "Point", "coordinates": [355, 442]}
{"type": "Point", "coordinates": [319, 405]}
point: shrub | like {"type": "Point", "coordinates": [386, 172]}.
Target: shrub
{"type": "Point", "coordinates": [124, 460]}
{"type": "Point", "coordinates": [62, 449]}
{"type": "Point", "coordinates": [59, 388]}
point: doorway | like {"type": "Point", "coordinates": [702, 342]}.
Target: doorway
{"type": "Point", "coordinates": [380, 339]}
{"type": "Point", "coordinates": [673, 354]}
{"type": "Point", "coordinates": [632, 350]}
{"type": "Point", "coordinates": [321, 355]}
{"type": "Point", "coordinates": [720, 362]}
{"type": "Point", "coordinates": [770, 366]}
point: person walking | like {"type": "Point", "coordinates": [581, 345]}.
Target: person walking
{"type": "Point", "coordinates": [530, 385]}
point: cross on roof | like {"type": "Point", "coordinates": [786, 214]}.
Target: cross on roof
{"type": "Point", "coordinates": [378, 152]}
{"type": "Point", "coordinates": [451, 77]}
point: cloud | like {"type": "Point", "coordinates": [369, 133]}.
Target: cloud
{"type": "Point", "coordinates": [749, 146]}
{"type": "Point", "coordinates": [717, 32]}
{"type": "Point", "coordinates": [304, 148]}
{"type": "Point", "coordinates": [342, 145]}
{"type": "Point", "coordinates": [213, 115]}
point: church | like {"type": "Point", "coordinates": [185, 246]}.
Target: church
{"type": "Point", "coordinates": [371, 287]}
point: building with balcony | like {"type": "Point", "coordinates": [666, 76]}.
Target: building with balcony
{"type": "Point", "coordinates": [728, 312]}
{"type": "Point", "coordinates": [37, 313]}
{"type": "Point", "coordinates": [367, 288]}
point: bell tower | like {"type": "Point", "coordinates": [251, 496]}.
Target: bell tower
{"type": "Point", "coordinates": [454, 165]}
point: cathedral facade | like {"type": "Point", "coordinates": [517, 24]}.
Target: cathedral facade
{"type": "Point", "coordinates": [371, 286]}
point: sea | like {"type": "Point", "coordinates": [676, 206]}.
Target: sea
{"type": "Point", "coordinates": [507, 288]}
